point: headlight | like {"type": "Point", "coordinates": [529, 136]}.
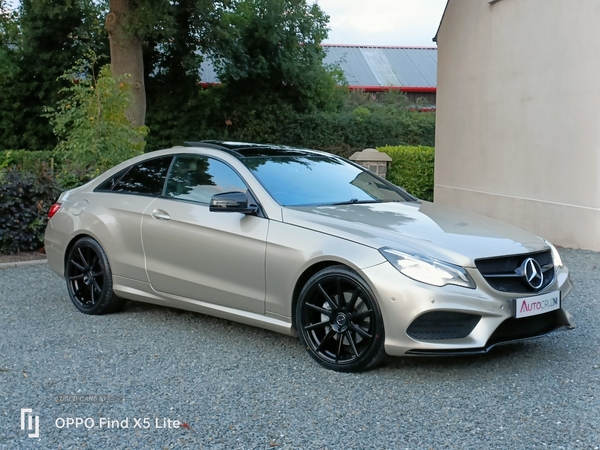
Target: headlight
{"type": "Point", "coordinates": [427, 270]}
{"type": "Point", "coordinates": [556, 260]}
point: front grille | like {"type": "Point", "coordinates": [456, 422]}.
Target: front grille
{"type": "Point", "coordinates": [437, 325]}
{"type": "Point", "coordinates": [526, 327]}
{"type": "Point", "coordinates": [502, 273]}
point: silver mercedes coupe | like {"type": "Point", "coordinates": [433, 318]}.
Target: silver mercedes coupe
{"type": "Point", "coordinates": [304, 243]}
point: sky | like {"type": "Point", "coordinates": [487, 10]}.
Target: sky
{"type": "Point", "coordinates": [379, 22]}
{"type": "Point", "coordinates": [383, 22]}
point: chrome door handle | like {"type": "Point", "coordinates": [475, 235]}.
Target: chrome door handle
{"type": "Point", "coordinates": [159, 214]}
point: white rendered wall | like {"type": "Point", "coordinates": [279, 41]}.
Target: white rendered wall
{"type": "Point", "coordinates": [518, 115]}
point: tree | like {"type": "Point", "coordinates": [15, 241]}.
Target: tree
{"type": "Point", "coordinates": [268, 57]}
{"type": "Point", "coordinates": [126, 53]}
{"type": "Point", "coordinates": [9, 36]}
{"type": "Point", "coordinates": [172, 59]}
{"type": "Point", "coordinates": [271, 49]}
{"type": "Point", "coordinates": [171, 29]}
{"type": "Point", "coordinates": [267, 49]}
{"type": "Point", "coordinates": [43, 41]}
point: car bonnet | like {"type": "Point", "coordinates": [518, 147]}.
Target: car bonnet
{"type": "Point", "coordinates": [441, 232]}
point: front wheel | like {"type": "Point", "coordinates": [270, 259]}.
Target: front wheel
{"type": "Point", "coordinates": [89, 279]}
{"type": "Point", "coordinates": [339, 322]}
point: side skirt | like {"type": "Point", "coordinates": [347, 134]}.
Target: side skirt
{"type": "Point", "coordinates": [143, 292]}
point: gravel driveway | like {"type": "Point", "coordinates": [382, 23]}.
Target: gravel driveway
{"type": "Point", "coordinates": [231, 386]}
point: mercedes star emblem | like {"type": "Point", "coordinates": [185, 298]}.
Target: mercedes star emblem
{"type": "Point", "coordinates": [533, 274]}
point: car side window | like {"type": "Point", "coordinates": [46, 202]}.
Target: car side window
{"type": "Point", "coordinates": [197, 178]}
{"type": "Point", "coordinates": [108, 184]}
{"type": "Point", "coordinates": [145, 178]}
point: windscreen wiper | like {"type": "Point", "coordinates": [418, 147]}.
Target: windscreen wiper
{"type": "Point", "coordinates": [355, 201]}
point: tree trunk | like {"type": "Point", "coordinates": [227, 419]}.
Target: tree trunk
{"type": "Point", "coordinates": [126, 57]}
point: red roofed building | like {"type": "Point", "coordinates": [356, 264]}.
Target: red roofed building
{"type": "Point", "coordinates": [412, 70]}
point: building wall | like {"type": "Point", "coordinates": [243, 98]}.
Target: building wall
{"type": "Point", "coordinates": [518, 115]}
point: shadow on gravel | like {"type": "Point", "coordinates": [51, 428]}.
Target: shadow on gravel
{"type": "Point", "coordinates": [537, 351]}
{"type": "Point", "coordinates": [539, 355]}
{"type": "Point", "coordinates": [212, 327]}
{"type": "Point", "coordinates": [498, 355]}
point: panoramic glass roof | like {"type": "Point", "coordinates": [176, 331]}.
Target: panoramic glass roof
{"type": "Point", "coordinates": [248, 150]}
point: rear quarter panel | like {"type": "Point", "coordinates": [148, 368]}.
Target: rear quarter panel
{"type": "Point", "coordinates": [114, 220]}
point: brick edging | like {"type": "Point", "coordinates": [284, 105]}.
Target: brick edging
{"type": "Point", "coordinates": [12, 265]}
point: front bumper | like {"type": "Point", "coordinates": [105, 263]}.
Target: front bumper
{"type": "Point", "coordinates": [403, 300]}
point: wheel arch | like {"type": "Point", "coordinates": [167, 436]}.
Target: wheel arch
{"type": "Point", "coordinates": [372, 346]}
{"type": "Point", "coordinates": [305, 276]}
{"type": "Point", "coordinates": [72, 242]}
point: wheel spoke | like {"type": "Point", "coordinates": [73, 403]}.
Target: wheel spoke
{"type": "Point", "coordinates": [352, 344]}
{"type": "Point", "coordinates": [360, 331]}
{"type": "Point", "coordinates": [77, 277]}
{"type": "Point", "coordinates": [339, 348]}
{"type": "Point", "coordinates": [327, 297]}
{"type": "Point", "coordinates": [91, 288]}
{"type": "Point", "coordinates": [83, 260]}
{"type": "Point", "coordinates": [360, 315]}
{"type": "Point", "coordinates": [327, 337]}
{"type": "Point", "coordinates": [80, 267]}
{"type": "Point", "coordinates": [96, 286]}
{"type": "Point", "coordinates": [340, 294]}
{"type": "Point", "coordinates": [327, 312]}
{"type": "Point", "coordinates": [314, 326]}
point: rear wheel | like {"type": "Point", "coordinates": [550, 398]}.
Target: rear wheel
{"type": "Point", "coordinates": [89, 279]}
{"type": "Point", "coordinates": [339, 322]}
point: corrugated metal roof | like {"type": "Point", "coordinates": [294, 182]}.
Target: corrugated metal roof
{"type": "Point", "coordinates": [372, 65]}
{"type": "Point", "coordinates": [385, 66]}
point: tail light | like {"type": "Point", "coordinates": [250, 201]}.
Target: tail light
{"type": "Point", "coordinates": [53, 210]}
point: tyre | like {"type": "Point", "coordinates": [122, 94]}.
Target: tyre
{"type": "Point", "coordinates": [89, 279]}
{"type": "Point", "coordinates": [339, 321]}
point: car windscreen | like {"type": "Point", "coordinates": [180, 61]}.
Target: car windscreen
{"type": "Point", "coordinates": [320, 180]}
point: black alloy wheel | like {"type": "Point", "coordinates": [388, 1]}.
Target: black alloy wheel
{"type": "Point", "coordinates": [89, 278]}
{"type": "Point", "coordinates": [339, 322]}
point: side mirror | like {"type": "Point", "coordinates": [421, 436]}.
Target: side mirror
{"type": "Point", "coordinates": [231, 202]}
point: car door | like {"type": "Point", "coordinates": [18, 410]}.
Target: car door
{"type": "Point", "coordinates": [119, 204]}
{"type": "Point", "coordinates": [201, 255]}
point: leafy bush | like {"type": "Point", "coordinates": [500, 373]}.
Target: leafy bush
{"type": "Point", "coordinates": [412, 168]}
{"type": "Point", "coordinates": [94, 133]}
{"type": "Point", "coordinates": [25, 199]}
{"type": "Point", "coordinates": [342, 132]}
{"type": "Point", "coordinates": [346, 132]}
{"type": "Point", "coordinates": [30, 161]}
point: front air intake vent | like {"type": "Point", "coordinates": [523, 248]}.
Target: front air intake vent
{"type": "Point", "coordinates": [440, 325]}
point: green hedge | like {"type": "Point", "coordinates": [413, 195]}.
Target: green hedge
{"type": "Point", "coordinates": [27, 190]}
{"type": "Point", "coordinates": [412, 168]}
{"type": "Point", "coordinates": [346, 132]}
{"type": "Point", "coordinates": [342, 132]}
{"type": "Point", "coordinates": [25, 199]}
{"type": "Point", "coordinates": [27, 160]}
